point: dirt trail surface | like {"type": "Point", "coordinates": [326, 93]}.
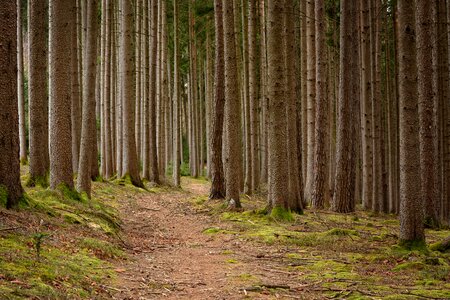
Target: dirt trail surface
{"type": "Point", "coordinates": [170, 257]}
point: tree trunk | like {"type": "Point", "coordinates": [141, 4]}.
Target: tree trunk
{"type": "Point", "coordinates": [233, 148]}
{"type": "Point", "coordinates": [176, 97]}
{"type": "Point", "coordinates": [61, 171]}
{"type": "Point", "coordinates": [426, 94]}
{"type": "Point", "coordinates": [278, 185]}
{"type": "Point", "coordinates": [20, 96]}
{"type": "Point", "coordinates": [344, 187]}
{"type": "Point", "coordinates": [215, 137]}
{"type": "Point", "coordinates": [411, 205]}
{"type": "Point", "coordinates": [37, 92]}
{"type": "Point", "coordinates": [9, 123]}
{"type": "Point", "coordinates": [320, 189]}
{"type": "Point", "coordinates": [88, 124]}
{"type": "Point", "coordinates": [130, 165]}
{"type": "Point", "coordinates": [311, 96]}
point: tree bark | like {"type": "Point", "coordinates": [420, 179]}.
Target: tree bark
{"type": "Point", "coordinates": [130, 165]}
{"type": "Point", "coordinates": [9, 123]}
{"type": "Point", "coordinates": [61, 171]}
{"type": "Point", "coordinates": [411, 205]}
{"type": "Point", "coordinates": [233, 148]}
{"type": "Point", "coordinates": [216, 134]}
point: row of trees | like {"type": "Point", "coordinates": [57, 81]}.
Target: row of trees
{"type": "Point", "coordinates": [322, 103]}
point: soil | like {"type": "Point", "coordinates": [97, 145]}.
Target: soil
{"type": "Point", "coordinates": [170, 257]}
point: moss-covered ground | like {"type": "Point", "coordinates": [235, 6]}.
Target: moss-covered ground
{"type": "Point", "coordinates": [343, 256]}
{"type": "Point", "coordinates": [61, 245]}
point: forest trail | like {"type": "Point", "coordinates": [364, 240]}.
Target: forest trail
{"type": "Point", "coordinates": [170, 257]}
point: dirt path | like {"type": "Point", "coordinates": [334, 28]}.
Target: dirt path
{"type": "Point", "coordinates": [171, 258]}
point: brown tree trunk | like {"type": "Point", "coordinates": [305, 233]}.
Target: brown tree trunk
{"type": "Point", "coordinates": [215, 137]}
{"type": "Point", "coordinates": [9, 123]}
{"type": "Point", "coordinates": [130, 165]}
{"type": "Point", "coordinates": [233, 148]}
{"type": "Point", "coordinates": [278, 185]}
{"type": "Point", "coordinates": [89, 80]}
{"type": "Point", "coordinates": [311, 95]}
{"type": "Point", "coordinates": [37, 92]}
{"type": "Point", "coordinates": [344, 187]}
{"type": "Point", "coordinates": [20, 96]}
{"type": "Point", "coordinates": [411, 205]}
{"type": "Point", "coordinates": [176, 97]}
{"type": "Point", "coordinates": [426, 93]}
{"type": "Point", "coordinates": [61, 171]}
{"type": "Point", "coordinates": [320, 189]}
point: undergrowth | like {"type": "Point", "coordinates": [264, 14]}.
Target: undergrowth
{"type": "Point", "coordinates": [58, 244]}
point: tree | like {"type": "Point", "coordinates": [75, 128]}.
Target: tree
{"type": "Point", "coordinates": [37, 91]}
{"type": "Point", "coordinates": [130, 165]}
{"type": "Point", "coordinates": [311, 95]}
{"type": "Point", "coordinates": [411, 204]}
{"type": "Point", "coordinates": [61, 171]}
{"type": "Point", "coordinates": [320, 190]}
{"type": "Point", "coordinates": [215, 138]}
{"type": "Point", "coordinates": [75, 88]}
{"type": "Point", "coordinates": [88, 123]}
{"type": "Point", "coordinates": [344, 188]}
{"type": "Point", "coordinates": [366, 106]}
{"type": "Point", "coordinates": [278, 185]}
{"type": "Point", "coordinates": [295, 180]}
{"type": "Point", "coordinates": [9, 123]}
{"type": "Point", "coordinates": [233, 146]}
{"type": "Point", "coordinates": [253, 84]}
{"type": "Point", "coordinates": [176, 95]}
{"type": "Point", "coordinates": [426, 93]}
{"type": "Point", "coordinates": [20, 96]}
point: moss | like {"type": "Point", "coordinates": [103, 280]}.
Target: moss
{"type": "Point", "coordinates": [232, 261]}
{"type": "Point", "coordinates": [415, 265]}
{"type": "Point", "coordinates": [227, 252]}
{"type": "Point", "coordinates": [435, 294]}
{"type": "Point", "coordinates": [247, 277]}
{"type": "Point", "coordinates": [440, 246]}
{"type": "Point", "coordinates": [279, 213]}
{"type": "Point", "coordinates": [41, 181]}
{"type": "Point", "coordinates": [212, 230]}
{"type": "Point", "coordinates": [77, 272]}
{"type": "Point", "coordinates": [101, 248]}
{"type": "Point", "coordinates": [69, 193]}
{"type": "Point", "coordinates": [417, 245]}
{"type": "Point", "coordinates": [342, 232]}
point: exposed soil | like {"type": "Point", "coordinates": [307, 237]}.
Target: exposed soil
{"type": "Point", "coordinates": [172, 258]}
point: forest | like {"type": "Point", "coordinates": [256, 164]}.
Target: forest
{"type": "Point", "coordinates": [225, 149]}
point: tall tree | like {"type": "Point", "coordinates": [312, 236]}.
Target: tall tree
{"type": "Point", "coordinates": [61, 171]}
{"type": "Point", "coordinates": [311, 95]}
{"type": "Point", "coordinates": [89, 79]}
{"type": "Point", "coordinates": [295, 180]}
{"type": "Point", "coordinates": [9, 123]}
{"type": "Point", "coordinates": [366, 121]}
{"type": "Point", "coordinates": [320, 189]}
{"type": "Point", "coordinates": [37, 91]}
{"type": "Point", "coordinates": [130, 165]}
{"type": "Point", "coordinates": [344, 188]}
{"type": "Point", "coordinates": [411, 204]}
{"type": "Point", "coordinates": [20, 96]}
{"type": "Point", "coordinates": [176, 96]}
{"type": "Point", "coordinates": [215, 138]}
{"type": "Point", "coordinates": [425, 43]}
{"type": "Point", "coordinates": [233, 146]}
{"type": "Point", "coordinates": [75, 86]}
{"type": "Point", "coordinates": [278, 185]}
{"type": "Point", "coordinates": [253, 84]}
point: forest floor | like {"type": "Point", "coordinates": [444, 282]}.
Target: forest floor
{"type": "Point", "coordinates": [182, 246]}
{"type": "Point", "coordinates": [166, 243]}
